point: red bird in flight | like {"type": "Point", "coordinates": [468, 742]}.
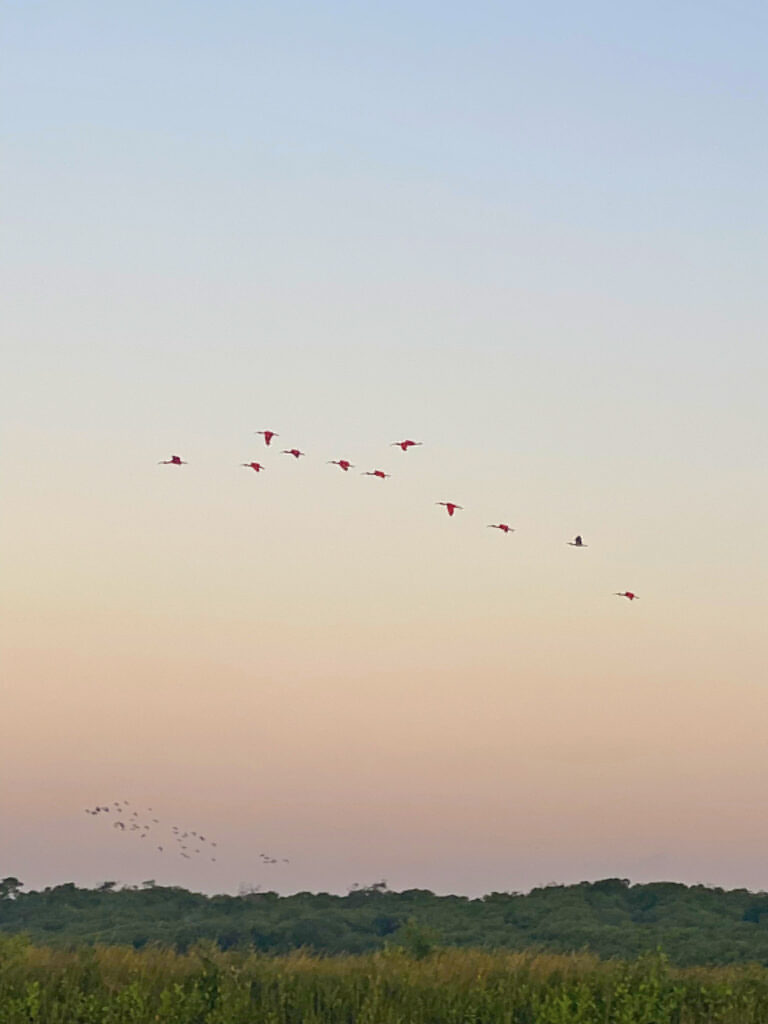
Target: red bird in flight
{"type": "Point", "coordinates": [343, 463]}
{"type": "Point", "coordinates": [175, 460]}
{"type": "Point", "coordinates": [294, 452]}
{"type": "Point", "coordinates": [451, 506]}
{"type": "Point", "coordinates": [629, 595]}
{"type": "Point", "coordinates": [405, 445]}
{"type": "Point", "coordinates": [256, 466]}
{"type": "Point", "coordinates": [501, 526]}
{"type": "Point", "coordinates": [267, 435]}
{"type": "Point", "coordinates": [376, 472]}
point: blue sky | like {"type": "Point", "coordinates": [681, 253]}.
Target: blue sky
{"type": "Point", "coordinates": [532, 236]}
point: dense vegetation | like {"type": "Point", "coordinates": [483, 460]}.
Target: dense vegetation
{"type": "Point", "coordinates": [118, 985]}
{"type": "Point", "coordinates": [611, 918]}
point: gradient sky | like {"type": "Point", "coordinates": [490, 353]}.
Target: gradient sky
{"type": "Point", "coordinates": [532, 236]}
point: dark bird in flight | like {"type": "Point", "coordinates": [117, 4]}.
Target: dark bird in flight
{"type": "Point", "coordinates": [577, 542]}
{"type": "Point", "coordinates": [175, 460]}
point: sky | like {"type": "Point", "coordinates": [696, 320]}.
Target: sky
{"type": "Point", "coordinates": [531, 237]}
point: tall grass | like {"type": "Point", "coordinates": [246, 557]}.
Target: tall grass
{"type": "Point", "coordinates": [116, 985]}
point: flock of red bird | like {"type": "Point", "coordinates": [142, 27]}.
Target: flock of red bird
{"type": "Point", "coordinates": [344, 464]}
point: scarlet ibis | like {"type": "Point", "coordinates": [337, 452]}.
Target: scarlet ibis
{"type": "Point", "coordinates": [294, 452]}
{"type": "Point", "coordinates": [501, 526]}
{"type": "Point", "coordinates": [175, 460]}
{"type": "Point", "coordinates": [405, 445]}
{"type": "Point", "coordinates": [267, 435]}
{"type": "Point", "coordinates": [577, 542]}
{"type": "Point", "coordinates": [451, 506]}
{"type": "Point", "coordinates": [256, 466]}
{"type": "Point", "coordinates": [628, 594]}
{"type": "Point", "coordinates": [343, 463]}
{"type": "Point", "coordinates": [376, 472]}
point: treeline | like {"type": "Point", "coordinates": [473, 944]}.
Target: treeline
{"type": "Point", "coordinates": [611, 918]}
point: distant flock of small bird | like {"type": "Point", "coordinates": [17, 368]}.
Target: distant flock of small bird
{"type": "Point", "coordinates": [345, 465]}
{"type": "Point", "coordinates": [190, 843]}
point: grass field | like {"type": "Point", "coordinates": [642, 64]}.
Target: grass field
{"type": "Point", "coordinates": [116, 985]}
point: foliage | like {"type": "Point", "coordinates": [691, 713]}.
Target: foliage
{"type": "Point", "coordinates": [611, 918]}
{"type": "Point", "coordinates": [119, 985]}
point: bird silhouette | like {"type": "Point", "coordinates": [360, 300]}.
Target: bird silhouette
{"type": "Point", "coordinates": [501, 526]}
{"type": "Point", "coordinates": [175, 460]}
{"type": "Point", "coordinates": [342, 463]}
{"type": "Point", "coordinates": [405, 445]}
{"type": "Point", "coordinates": [294, 452]}
{"type": "Point", "coordinates": [376, 472]}
{"type": "Point", "coordinates": [450, 506]}
{"type": "Point", "coordinates": [577, 542]}
{"type": "Point", "coordinates": [628, 594]}
{"type": "Point", "coordinates": [267, 435]}
{"type": "Point", "coordinates": [255, 466]}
